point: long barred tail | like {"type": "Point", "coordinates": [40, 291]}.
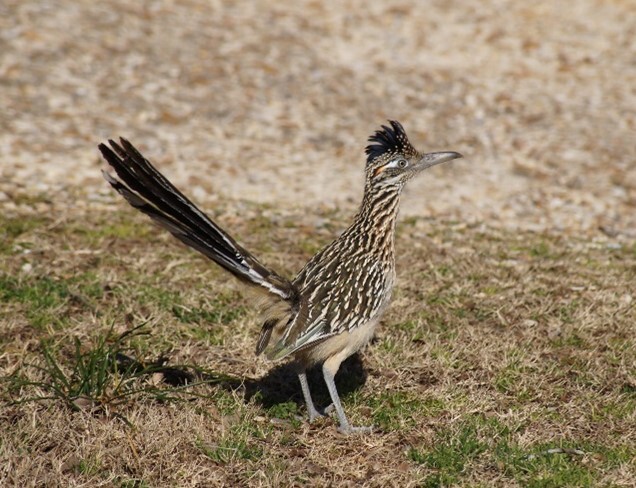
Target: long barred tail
{"type": "Point", "coordinates": [150, 192]}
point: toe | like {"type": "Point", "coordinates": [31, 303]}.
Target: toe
{"type": "Point", "coordinates": [328, 409]}
{"type": "Point", "coordinates": [314, 415]}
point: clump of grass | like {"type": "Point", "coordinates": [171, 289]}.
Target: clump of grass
{"type": "Point", "coordinates": [285, 410]}
{"type": "Point", "coordinates": [99, 375]}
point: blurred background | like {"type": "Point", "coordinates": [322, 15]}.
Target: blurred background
{"type": "Point", "coordinates": [273, 102]}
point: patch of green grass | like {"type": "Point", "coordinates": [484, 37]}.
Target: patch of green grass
{"type": "Point", "coordinates": [163, 297]}
{"type": "Point", "coordinates": [13, 227]}
{"type": "Point", "coordinates": [132, 483]}
{"type": "Point", "coordinates": [572, 339]}
{"type": "Point", "coordinates": [89, 285]}
{"type": "Point", "coordinates": [285, 410]}
{"type": "Point", "coordinates": [89, 466]}
{"type": "Point", "coordinates": [567, 312]}
{"type": "Point", "coordinates": [92, 373]}
{"type": "Point", "coordinates": [488, 441]}
{"type": "Point", "coordinates": [220, 309]}
{"type": "Point", "coordinates": [452, 451]}
{"type": "Point", "coordinates": [400, 410]}
{"type": "Point", "coordinates": [227, 403]}
{"type": "Point", "coordinates": [243, 441]}
{"type": "Point", "coordinates": [38, 293]}
{"type": "Point", "coordinates": [120, 227]}
{"type": "Point", "coordinates": [512, 378]}
{"type": "Point", "coordinates": [545, 466]}
{"type": "Point", "coordinates": [210, 313]}
{"type": "Point", "coordinates": [435, 321]}
{"type": "Point", "coordinates": [409, 326]}
{"type": "Point", "coordinates": [446, 270]}
{"type": "Point", "coordinates": [389, 344]}
{"type": "Point", "coordinates": [207, 334]}
{"type": "Point", "coordinates": [622, 406]}
{"type": "Point", "coordinates": [45, 299]}
{"type": "Point", "coordinates": [540, 250]}
{"type": "Point", "coordinates": [446, 305]}
{"type": "Point", "coordinates": [621, 455]}
{"type": "Point", "coordinates": [491, 290]}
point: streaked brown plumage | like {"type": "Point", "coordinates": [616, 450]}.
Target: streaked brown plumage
{"type": "Point", "coordinates": [330, 310]}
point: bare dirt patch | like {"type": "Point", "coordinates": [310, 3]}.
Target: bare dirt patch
{"type": "Point", "coordinates": [274, 103]}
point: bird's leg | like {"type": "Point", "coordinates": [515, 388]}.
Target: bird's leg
{"type": "Point", "coordinates": [309, 403]}
{"type": "Point", "coordinates": [345, 427]}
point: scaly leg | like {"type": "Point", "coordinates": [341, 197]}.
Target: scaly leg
{"type": "Point", "coordinates": [345, 426]}
{"type": "Point", "coordinates": [309, 403]}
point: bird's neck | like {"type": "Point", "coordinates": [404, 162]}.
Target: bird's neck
{"type": "Point", "coordinates": [378, 214]}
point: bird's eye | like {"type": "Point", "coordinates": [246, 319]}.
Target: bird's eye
{"type": "Point", "coordinates": [402, 163]}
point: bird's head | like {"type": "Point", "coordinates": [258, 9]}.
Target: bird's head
{"type": "Point", "coordinates": [392, 160]}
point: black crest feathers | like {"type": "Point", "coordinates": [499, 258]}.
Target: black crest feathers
{"type": "Point", "coordinates": [389, 140]}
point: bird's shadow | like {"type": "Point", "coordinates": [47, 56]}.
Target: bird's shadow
{"type": "Point", "coordinates": [281, 384]}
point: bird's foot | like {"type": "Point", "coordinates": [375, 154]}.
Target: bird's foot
{"type": "Point", "coordinates": [328, 409]}
{"type": "Point", "coordinates": [315, 414]}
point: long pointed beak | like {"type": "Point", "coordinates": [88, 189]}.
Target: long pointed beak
{"type": "Point", "coordinates": [431, 159]}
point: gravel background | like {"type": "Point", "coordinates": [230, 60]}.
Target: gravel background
{"type": "Point", "coordinates": [273, 102]}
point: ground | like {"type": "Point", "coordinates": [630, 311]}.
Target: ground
{"type": "Point", "coordinates": [508, 355]}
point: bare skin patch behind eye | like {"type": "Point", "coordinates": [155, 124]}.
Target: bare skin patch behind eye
{"type": "Point", "coordinates": [377, 171]}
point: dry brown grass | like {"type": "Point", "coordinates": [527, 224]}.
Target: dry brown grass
{"type": "Point", "coordinates": [497, 346]}
{"type": "Point", "coordinates": [500, 344]}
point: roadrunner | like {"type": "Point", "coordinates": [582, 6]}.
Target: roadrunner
{"type": "Point", "coordinates": [330, 310]}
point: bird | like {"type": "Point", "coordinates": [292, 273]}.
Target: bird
{"type": "Point", "coordinates": [330, 310]}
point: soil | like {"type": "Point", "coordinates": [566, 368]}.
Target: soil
{"type": "Point", "coordinates": [273, 103]}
